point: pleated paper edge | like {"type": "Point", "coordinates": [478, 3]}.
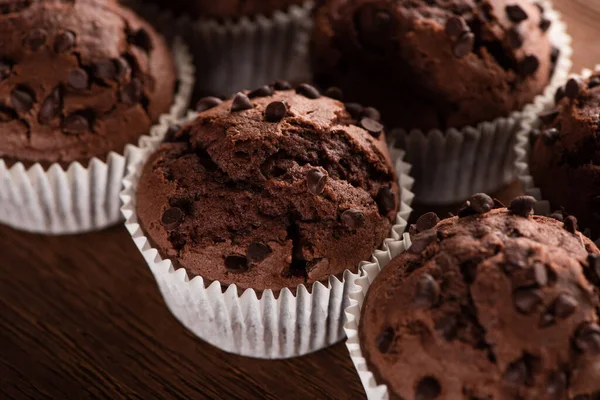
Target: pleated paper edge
{"type": "Point", "coordinates": [60, 180]}
{"type": "Point", "coordinates": [165, 267]}
{"type": "Point", "coordinates": [462, 187]}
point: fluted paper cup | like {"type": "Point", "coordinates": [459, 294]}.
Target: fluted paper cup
{"type": "Point", "coordinates": [245, 53]}
{"type": "Point", "coordinates": [253, 324]}
{"type": "Point", "coordinates": [449, 166]}
{"type": "Point", "coordinates": [80, 199]}
{"type": "Point", "coordinates": [523, 148]}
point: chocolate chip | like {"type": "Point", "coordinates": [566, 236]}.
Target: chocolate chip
{"type": "Point", "coordinates": [587, 338]}
{"type": "Point", "coordinates": [570, 224]}
{"type": "Point", "coordinates": [428, 389]}
{"type": "Point", "coordinates": [5, 70]}
{"type": "Point", "coordinates": [560, 94]}
{"type": "Point", "coordinates": [481, 203]}
{"type": "Point", "coordinates": [64, 42]}
{"type": "Point", "coordinates": [257, 252]}
{"type": "Point", "coordinates": [171, 134]}
{"type": "Point", "coordinates": [132, 92]}
{"type": "Point", "coordinates": [75, 124]}
{"type": "Point", "coordinates": [466, 210]}
{"type": "Point", "coordinates": [353, 219]}
{"type": "Point", "coordinates": [22, 99]}
{"type": "Point", "coordinates": [548, 117]}
{"type": "Point", "coordinates": [123, 69]}
{"type": "Point", "coordinates": [307, 90]}
{"type": "Point", "coordinates": [275, 111]}
{"type": "Point", "coordinates": [36, 39]}
{"type": "Point", "coordinates": [335, 93]}
{"type": "Point", "coordinates": [539, 274]}
{"type": "Point", "coordinates": [372, 126]}
{"type": "Point", "coordinates": [236, 264]}
{"type": "Point", "coordinates": [106, 70]}
{"type": "Point", "coordinates": [384, 340]}
{"type": "Point", "coordinates": [565, 305]}
{"type": "Point", "coordinates": [172, 218]}
{"type": "Point", "coordinates": [463, 45]}
{"type": "Point", "coordinates": [558, 215]}
{"type": "Point", "coordinates": [517, 373]}
{"type": "Point", "coordinates": [316, 181]}
{"type": "Point", "coordinates": [141, 39]}
{"type": "Point", "coordinates": [455, 26]}
{"type": "Point", "coordinates": [545, 24]}
{"type": "Point", "coordinates": [385, 200]}
{"type": "Point", "coordinates": [375, 27]}
{"type": "Point", "coordinates": [547, 319]}
{"type": "Point", "coordinates": [550, 136]}
{"type": "Point", "coordinates": [556, 385]}
{"type": "Point", "coordinates": [594, 82]}
{"type": "Point", "coordinates": [241, 102]}
{"type": "Point", "coordinates": [421, 241]}
{"type": "Point", "coordinates": [207, 103]}
{"type": "Point", "coordinates": [573, 87]}
{"type": "Point", "coordinates": [527, 300]}
{"type": "Point", "coordinates": [529, 65]}
{"type": "Point", "coordinates": [51, 106]}
{"type": "Point", "coordinates": [427, 293]}
{"type": "Point", "coordinates": [354, 109]}
{"type": "Point", "coordinates": [427, 221]}
{"type": "Point", "coordinates": [523, 206]}
{"type": "Point", "coordinates": [262, 91]}
{"type": "Point", "coordinates": [282, 85]}
{"type": "Point", "coordinates": [515, 13]}
{"type": "Point", "coordinates": [78, 79]}
{"type": "Point", "coordinates": [515, 38]}
{"type": "Point", "coordinates": [371, 113]}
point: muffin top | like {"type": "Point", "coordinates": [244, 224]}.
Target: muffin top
{"type": "Point", "coordinates": [269, 190]}
{"type": "Point", "coordinates": [492, 304]}
{"type": "Point", "coordinates": [227, 9]}
{"type": "Point", "coordinates": [435, 63]}
{"type": "Point", "coordinates": [565, 160]}
{"type": "Point", "coordinates": [78, 80]}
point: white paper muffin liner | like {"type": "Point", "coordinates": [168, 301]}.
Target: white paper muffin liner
{"type": "Point", "coordinates": [251, 325]}
{"type": "Point", "coordinates": [450, 166]}
{"type": "Point", "coordinates": [523, 147]}
{"type": "Point", "coordinates": [80, 199]}
{"type": "Point", "coordinates": [241, 54]}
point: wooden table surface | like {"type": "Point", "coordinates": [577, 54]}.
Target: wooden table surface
{"type": "Point", "coordinates": [81, 316]}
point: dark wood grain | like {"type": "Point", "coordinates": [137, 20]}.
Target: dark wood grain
{"type": "Point", "coordinates": [81, 316]}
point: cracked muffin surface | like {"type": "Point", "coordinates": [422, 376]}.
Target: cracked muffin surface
{"type": "Point", "coordinates": [78, 80]}
{"type": "Point", "coordinates": [436, 63]}
{"type": "Point", "coordinates": [269, 190]}
{"type": "Point", "coordinates": [493, 304]}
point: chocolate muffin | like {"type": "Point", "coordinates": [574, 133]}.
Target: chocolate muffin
{"type": "Point", "coordinates": [430, 64]}
{"type": "Point", "coordinates": [78, 80]}
{"type": "Point", "coordinates": [227, 9]}
{"type": "Point", "coordinates": [269, 190]}
{"type": "Point", "coordinates": [493, 304]}
{"type": "Point", "coordinates": [565, 158]}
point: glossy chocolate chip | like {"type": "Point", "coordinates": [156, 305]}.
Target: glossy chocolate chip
{"type": "Point", "coordinates": [570, 224]}
{"type": "Point", "coordinates": [427, 221]}
{"type": "Point", "coordinates": [481, 203]}
{"type": "Point", "coordinates": [587, 338]}
{"type": "Point", "coordinates": [386, 200]}
{"type": "Point", "coordinates": [353, 219]}
{"type": "Point", "coordinates": [517, 373]}
{"type": "Point", "coordinates": [51, 107]}
{"type": "Point", "coordinates": [427, 292]}
{"type": "Point", "coordinates": [207, 103]}
{"type": "Point", "coordinates": [236, 264]}
{"type": "Point", "coordinates": [282, 85]}
{"type": "Point", "coordinates": [132, 92]}
{"type": "Point", "coordinates": [275, 111]}
{"type": "Point", "coordinates": [464, 45]}
{"type": "Point", "coordinates": [22, 99]}
{"type": "Point", "coordinates": [262, 91]}
{"type": "Point", "coordinates": [556, 385]}
{"type": "Point", "coordinates": [529, 65]}
{"type": "Point", "coordinates": [78, 79]}
{"type": "Point", "coordinates": [515, 38]}
{"type": "Point", "coordinates": [5, 70]}
{"type": "Point", "coordinates": [428, 388]}
{"type": "Point", "coordinates": [527, 300]}
{"type": "Point", "coordinates": [384, 340]}
{"type": "Point", "coordinates": [455, 26]}
{"type": "Point", "coordinates": [141, 39]}
{"type": "Point", "coordinates": [545, 24]}
{"type": "Point", "coordinates": [335, 93]}
{"type": "Point", "coordinates": [308, 91]}
{"type": "Point", "coordinates": [172, 218]}
{"type": "Point", "coordinates": [515, 13]}
{"type": "Point", "coordinates": [550, 136]}
{"type": "Point", "coordinates": [257, 252]}
{"type": "Point", "coordinates": [539, 274]}
{"type": "Point", "coordinates": [106, 70]}
{"type": "Point", "coordinates": [371, 126]}
{"type": "Point", "coordinates": [422, 240]}
{"type": "Point", "coordinates": [522, 206]}
{"type": "Point", "coordinates": [371, 113]}
{"type": "Point", "coordinates": [548, 117]}
{"type": "Point", "coordinates": [241, 102]}
{"type": "Point", "coordinates": [354, 109]}
{"type": "Point", "coordinates": [36, 39]}
{"type": "Point", "coordinates": [75, 124]}
{"type": "Point", "coordinates": [565, 305]}
{"type": "Point", "coordinates": [64, 41]}
{"type": "Point", "coordinates": [560, 94]}
{"type": "Point", "coordinates": [316, 181]}
{"type": "Point", "coordinates": [573, 87]}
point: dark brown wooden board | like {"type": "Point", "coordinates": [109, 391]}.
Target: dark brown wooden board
{"type": "Point", "coordinates": [81, 316]}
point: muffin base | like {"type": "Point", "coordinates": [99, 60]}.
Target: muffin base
{"type": "Point", "coordinates": [260, 325]}
{"type": "Point", "coordinates": [77, 199]}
